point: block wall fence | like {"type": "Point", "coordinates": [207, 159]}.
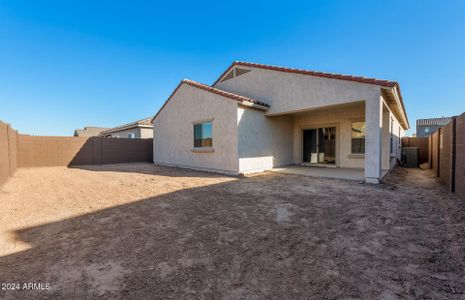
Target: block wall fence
{"type": "Point", "coordinates": [24, 151]}
{"type": "Point", "coordinates": [445, 150]}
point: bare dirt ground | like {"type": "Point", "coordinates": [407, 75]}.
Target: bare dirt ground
{"type": "Point", "coordinates": [137, 231]}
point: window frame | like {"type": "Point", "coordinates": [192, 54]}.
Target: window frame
{"type": "Point", "coordinates": [352, 122]}
{"type": "Point", "coordinates": [202, 122]}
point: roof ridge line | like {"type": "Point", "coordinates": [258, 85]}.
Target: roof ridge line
{"type": "Point", "coordinates": [310, 72]}
{"type": "Point", "coordinates": [330, 75]}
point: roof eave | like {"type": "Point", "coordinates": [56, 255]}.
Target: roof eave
{"type": "Point", "coordinates": [240, 99]}
{"type": "Point", "coordinates": [254, 105]}
{"type": "Point", "coordinates": [343, 77]}
{"type": "Point", "coordinates": [391, 86]}
{"type": "Point", "coordinates": [113, 130]}
{"type": "Point", "coordinates": [392, 97]}
{"type": "Point", "coordinates": [225, 72]}
{"type": "Point", "coordinates": [400, 101]}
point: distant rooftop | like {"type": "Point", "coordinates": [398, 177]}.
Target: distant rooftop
{"type": "Point", "coordinates": [144, 123]}
{"type": "Point", "coordinates": [434, 121]}
{"type": "Point", "coordinates": [89, 131]}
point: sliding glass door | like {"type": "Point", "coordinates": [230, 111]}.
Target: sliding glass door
{"type": "Point", "coordinates": [319, 146]}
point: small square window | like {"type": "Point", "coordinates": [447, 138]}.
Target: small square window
{"type": "Point", "coordinates": [203, 137]}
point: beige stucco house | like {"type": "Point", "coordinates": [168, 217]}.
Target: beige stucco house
{"type": "Point", "coordinates": [258, 117]}
{"type": "Point", "coordinates": [141, 129]}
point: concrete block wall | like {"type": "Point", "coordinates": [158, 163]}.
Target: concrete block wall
{"type": "Point", "coordinates": [23, 151]}
{"type": "Point", "coordinates": [447, 155]}
{"type": "Point", "coordinates": [46, 151]}
{"type": "Point", "coordinates": [435, 153]}
{"type": "Point", "coordinates": [420, 142]}
{"type": "Point", "coordinates": [460, 156]}
{"type": "Point", "coordinates": [8, 151]}
{"type": "Point", "coordinates": [42, 151]}
{"type": "Point", "coordinates": [114, 151]}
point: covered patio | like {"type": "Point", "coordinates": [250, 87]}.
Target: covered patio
{"type": "Point", "coordinates": [356, 140]}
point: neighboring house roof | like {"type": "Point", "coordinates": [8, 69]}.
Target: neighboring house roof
{"type": "Point", "coordinates": [89, 131]}
{"type": "Point", "coordinates": [144, 123]}
{"type": "Point", "coordinates": [434, 121]}
{"type": "Point", "coordinates": [241, 99]}
{"type": "Point", "coordinates": [392, 85]}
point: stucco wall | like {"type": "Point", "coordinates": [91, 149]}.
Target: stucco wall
{"type": "Point", "coordinates": [146, 133]}
{"type": "Point", "coordinates": [386, 131]}
{"type": "Point", "coordinates": [398, 134]}
{"type": "Point", "coordinates": [287, 92]}
{"type": "Point", "coordinates": [391, 153]}
{"type": "Point", "coordinates": [139, 133]}
{"type": "Point", "coordinates": [342, 117]}
{"type": "Point", "coordinates": [125, 133]}
{"type": "Point", "coordinates": [264, 142]}
{"type": "Point", "coordinates": [173, 131]}
{"type": "Point", "coordinates": [290, 93]}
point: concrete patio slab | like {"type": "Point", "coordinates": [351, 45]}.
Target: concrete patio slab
{"type": "Point", "coordinates": [325, 172]}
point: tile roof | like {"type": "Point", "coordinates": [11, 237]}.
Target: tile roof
{"type": "Point", "coordinates": [223, 93]}
{"type": "Point", "coordinates": [146, 121]}
{"type": "Point", "coordinates": [89, 131]}
{"type": "Point", "coordinates": [434, 121]}
{"type": "Point", "coordinates": [238, 98]}
{"type": "Point", "coordinates": [360, 79]}
{"type": "Point", "coordinates": [368, 80]}
{"type": "Point", "coordinates": [140, 123]}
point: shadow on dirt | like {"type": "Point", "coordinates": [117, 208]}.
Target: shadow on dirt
{"type": "Point", "coordinates": [269, 236]}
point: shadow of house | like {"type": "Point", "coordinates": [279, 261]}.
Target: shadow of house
{"type": "Point", "coordinates": [150, 168]}
{"type": "Point", "coordinates": [235, 239]}
{"type": "Point", "coordinates": [256, 237]}
{"type": "Point", "coordinates": [192, 242]}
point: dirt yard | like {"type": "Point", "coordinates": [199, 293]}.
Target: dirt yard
{"type": "Point", "coordinates": [137, 231]}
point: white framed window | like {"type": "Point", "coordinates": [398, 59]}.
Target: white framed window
{"type": "Point", "coordinates": [203, 135]}
{"type": "Point", "coordinates": [132, 135]}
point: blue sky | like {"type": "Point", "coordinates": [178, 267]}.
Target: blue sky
{"type": "Point", "coordinates": [69, 64]}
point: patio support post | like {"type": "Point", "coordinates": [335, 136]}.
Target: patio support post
{"type": "Point", "coordinates": [373, 139]}
{"type": "Point", "coordinates": [386, 143]}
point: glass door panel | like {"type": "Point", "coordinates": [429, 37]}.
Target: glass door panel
{"type": "Point", "coordinates": [327, 145]}
{"type": "Point", "coordinates": [310, 146]}
{"type": "Point", "coordinates": [319, 145]}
